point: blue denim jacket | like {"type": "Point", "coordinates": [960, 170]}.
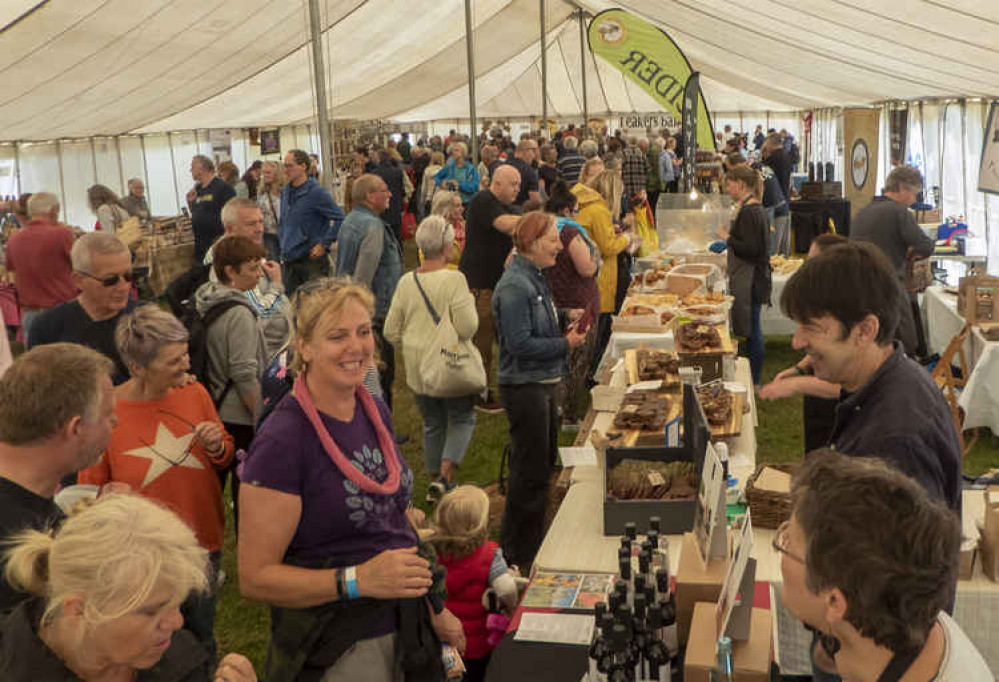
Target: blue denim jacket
{"type": "Point", "coordinates": [389, 270]}
{"type": "Point", "coordinates": [531, 345]}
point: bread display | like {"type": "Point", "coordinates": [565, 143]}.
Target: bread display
{"type": "Point", "coordinates": [642, 411]}
{"type": "Point", "coordinates": [639, 479]}
{"type": "Point", "coordinates": [716, 401]}
{"type": "Point", "coordinates": [634, 310]}
{"type": "Point", "coordinates": [654, 365]}
{"type": "Point", "coordinates": [696, 336]}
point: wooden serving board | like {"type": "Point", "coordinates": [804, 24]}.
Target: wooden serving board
{"type": "Point", "coordinates": [631, 368]}
{"type": "Point", "coordinates": [630, 438]}
{"type": "Point", "coordinates": [727, 345]}
{"type": "Point", "coordinates": [733, 427]}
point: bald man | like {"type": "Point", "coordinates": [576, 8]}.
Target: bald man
{"type": "Point", "coordinates": [524, 161]}
{"type": "Point", "coordinates": [489, 222]}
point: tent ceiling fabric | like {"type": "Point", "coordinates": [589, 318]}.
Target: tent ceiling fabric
{"type": "Point", "coordinates": [77, 68]}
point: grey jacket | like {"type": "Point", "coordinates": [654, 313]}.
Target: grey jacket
{"type": "Point", "coordinates": [236, 351]}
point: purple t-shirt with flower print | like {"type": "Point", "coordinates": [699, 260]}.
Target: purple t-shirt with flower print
{"type": "Point", "coordinates": [339, 520]}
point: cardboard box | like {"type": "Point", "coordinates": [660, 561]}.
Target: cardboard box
{"type": "Point", "coordinates": [695, 583]}
{"type": "Point", "coordinates": [978, 298]}
{"type": "Point", "coordinates": [989, 542]}
{"type": "Point", "coordinates": [751, 658]}
{"type": "Point", "coordinates": [677, 516]}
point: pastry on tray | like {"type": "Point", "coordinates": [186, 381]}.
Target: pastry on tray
{"type": "Point", "coordinates": [642, 411]}
{"type": "Point", "coordinates": [633, 310]}
{"type": "Point", "coordinates": [655, 365]}
{"type": "Point", "coordinates": [695, 336]}
{"type": "Point", "coordinates": [712, 297]}
{"type": "Point", "coordinates": [716, 401]}
{"type": "Point", "coordinates": [666, 317]}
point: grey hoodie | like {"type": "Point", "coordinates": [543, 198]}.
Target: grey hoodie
{"type": "Point", "coordinates": [236, 350]}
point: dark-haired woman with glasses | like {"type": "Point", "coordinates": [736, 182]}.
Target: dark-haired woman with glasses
{"type": "Point", "coordinates": [102, 271]}
{"type": "Point", "coordinates": [169, 440]}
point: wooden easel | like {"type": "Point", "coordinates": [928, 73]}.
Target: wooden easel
{"type": "Point", "coordinates": [943, 375]}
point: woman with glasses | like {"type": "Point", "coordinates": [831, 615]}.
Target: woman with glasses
{"type": "Point", "coordinates": [325, 537]}
{"type": "Point", "coordinates": [574, 286]}
{"type": "Point", "coordinates": [169, 440]}
{"type": "Point", "coordinates": [448, 423]}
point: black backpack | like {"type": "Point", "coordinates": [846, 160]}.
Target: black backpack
{"type": "Point", "coordinates": [197, 342]}
{"type": "Point", "coordinates": [180, 292]}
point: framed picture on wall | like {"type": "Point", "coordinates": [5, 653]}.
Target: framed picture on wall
{"type": "Point", "coordinates": [988, 171]}
{"type": "Point", "coordinates": [270, 141]}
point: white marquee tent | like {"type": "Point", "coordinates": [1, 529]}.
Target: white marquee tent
{"type": "Point", "coordinates": [80, 78]}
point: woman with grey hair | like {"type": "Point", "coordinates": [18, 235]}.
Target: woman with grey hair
{"type": "Point", "coordinates": [448, 206]}
{"type": "Point", "coordinates": [448, 423]}
{"type": "Point", "coordinates": [169, 440]}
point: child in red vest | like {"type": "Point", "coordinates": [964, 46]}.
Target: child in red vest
{"type": "Point", "coordinates": [474, 565]}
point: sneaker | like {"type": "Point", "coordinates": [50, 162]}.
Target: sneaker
{"type": "Point", "coordinates": [220, 579]}
{"type": "Point", "coordinates": [436, 490]}
{"type": "Point", "coordinates": [489, 406]}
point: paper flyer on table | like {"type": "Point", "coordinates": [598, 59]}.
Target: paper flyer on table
{"type": "Point", "coordinates": [584, 456]}
{"type": "Point", "coordinates": [556, 628]}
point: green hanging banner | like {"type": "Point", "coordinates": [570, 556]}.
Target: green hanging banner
{"type": "Point", "coordinates": [650, 58]}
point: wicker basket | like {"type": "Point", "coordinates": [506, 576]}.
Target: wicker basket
{"type": "Point", "coordinates": [768, 509]}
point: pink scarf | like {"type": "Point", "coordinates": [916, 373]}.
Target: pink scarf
{"type": "Point", "coordinates": [385, 441]}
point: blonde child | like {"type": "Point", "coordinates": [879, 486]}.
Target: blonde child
{"type": "Point", "coordinates": [475, 565]}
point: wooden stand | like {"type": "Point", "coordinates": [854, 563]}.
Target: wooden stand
{"type": "Point", "coordinates": [750, 658]}
{"type": "Point", "coordinates": [943, 375]}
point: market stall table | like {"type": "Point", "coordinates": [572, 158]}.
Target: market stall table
{"type": "Point", "coordinates": [980, 397]}
{"type": "Point", "coordinates": [772, 318]}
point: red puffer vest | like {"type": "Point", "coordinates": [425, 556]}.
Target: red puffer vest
{"type": "Point", "coordinates": [467, 580]}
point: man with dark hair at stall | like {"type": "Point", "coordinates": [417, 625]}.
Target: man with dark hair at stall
{"type": "Point", "coordinates": [888, 223]}
{"type": "Point", "coordinates": [310, 219]}
{"type": "Point", "coordinates": [846, 303]}
{"type": "Point", "coordinates": [878, 593]}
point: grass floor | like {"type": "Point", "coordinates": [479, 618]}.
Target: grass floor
{"type": "Point", "coordinates": [243, 626]}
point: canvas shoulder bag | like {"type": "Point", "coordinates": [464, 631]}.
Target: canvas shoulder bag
{"type": "Point", "coordinates": [450, 368]}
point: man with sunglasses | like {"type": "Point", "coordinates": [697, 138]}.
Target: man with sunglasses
{"type": "Point", "coordinates": [102, 272]}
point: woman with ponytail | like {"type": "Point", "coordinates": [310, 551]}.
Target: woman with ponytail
{"type": "Point", "coordinates": [325, 538]}
{"type": "Point", "coordinates": [106, 593]}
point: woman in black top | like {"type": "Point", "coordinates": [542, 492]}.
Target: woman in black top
{"type": "Point", "coordinates": [748, 263]}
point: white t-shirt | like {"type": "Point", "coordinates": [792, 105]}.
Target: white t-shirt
{"type": "Point", "coordinates": [961, 661]}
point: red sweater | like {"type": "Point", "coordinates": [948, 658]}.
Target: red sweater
{"type": "Point", "coordinates": [467, 580]}
{"type": "Point", "coordinates": [147, 451]}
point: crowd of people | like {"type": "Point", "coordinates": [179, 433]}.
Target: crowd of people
{"type": "Point", "coordinates": [274, 370]}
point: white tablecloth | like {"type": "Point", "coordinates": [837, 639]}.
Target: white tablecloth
{"type": "Point", "coordinates": [772, 319]}
{"type": "Point", "coordinates": [980, 397]}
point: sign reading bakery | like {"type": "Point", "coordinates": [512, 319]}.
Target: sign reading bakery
{"type": "Point", "coordinates": [648, 57]}
{"type": "Point", "coordinates": [860, 156]}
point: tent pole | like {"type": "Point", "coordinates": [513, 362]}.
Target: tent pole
{"type": "Point", "coordinates": [470, 60]}
{"type": "Point", "coordinates": [582, 59]}
{"type": "Point", "coordinates": [17, 166]}
{"type": "Point", "coordinates": [319, 88]}
{"type": "Point", "coordinates": [62, 179]}
{"type": "Point", "coordinates": [544, 72]}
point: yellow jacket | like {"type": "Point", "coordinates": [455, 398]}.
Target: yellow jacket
{"type": "Point", "coordinates": [596, 218]}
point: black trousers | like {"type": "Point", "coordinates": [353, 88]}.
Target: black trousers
{"type": "Point", "coordinates": [242, 436]}
{"type": "Point", "coordinates": [533, 414]}
{"type": "Point", "coordinates": [386, 353]}
{"type": "Point", "coordinates": [297, 272]}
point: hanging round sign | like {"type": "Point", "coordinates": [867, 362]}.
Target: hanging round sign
{"type": "Point", "coordinates": [860, 163]}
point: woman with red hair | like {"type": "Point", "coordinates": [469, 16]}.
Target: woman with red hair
{"type": "Point", "coordinates": [534, 343]}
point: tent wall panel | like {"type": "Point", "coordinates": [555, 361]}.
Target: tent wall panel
{"type": "Point", "coordinates": [164, 197]}
{"type": "Point", "coordinates": [78, 177]}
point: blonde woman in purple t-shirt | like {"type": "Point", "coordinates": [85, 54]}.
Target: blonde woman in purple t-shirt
{"type": "Point", "coordinates": [325, 538]}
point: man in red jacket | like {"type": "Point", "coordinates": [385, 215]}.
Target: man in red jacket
{"type": "Point", "coordinates": [38, 260]}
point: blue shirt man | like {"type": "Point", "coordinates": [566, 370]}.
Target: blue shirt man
{"type": "Point", "coordinates": [309, 223]}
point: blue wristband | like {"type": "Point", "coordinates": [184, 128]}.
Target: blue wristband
{"type": "Point", "coordinates": [350, 578]}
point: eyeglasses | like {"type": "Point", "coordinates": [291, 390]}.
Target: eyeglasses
{"type": "Point", "coordinates": [780, 543]}
{"type": "Point", "coordinates": [110, 280]}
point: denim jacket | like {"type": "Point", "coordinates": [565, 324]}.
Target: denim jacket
{"type": "Point", "coordinates": [389, 270]}
{"type": "Point", "coordinates": [531, 344]}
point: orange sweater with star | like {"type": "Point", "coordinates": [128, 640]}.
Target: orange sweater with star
{"type": "Point", "coordinates": [153, 449]}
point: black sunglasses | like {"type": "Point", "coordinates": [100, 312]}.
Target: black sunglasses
{"type": "Point", "coordinates": [111, 280]}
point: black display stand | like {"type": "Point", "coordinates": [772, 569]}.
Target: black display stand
{"type": "Point", "coordinates": [811, 218]}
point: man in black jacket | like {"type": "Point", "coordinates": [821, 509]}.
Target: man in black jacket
{"type": "Point", "coordinates": [206, 200]}
{"type": "Point", "coordinates": [389, 171]}
{"type": "Point", "coordinates": [847, 302]}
